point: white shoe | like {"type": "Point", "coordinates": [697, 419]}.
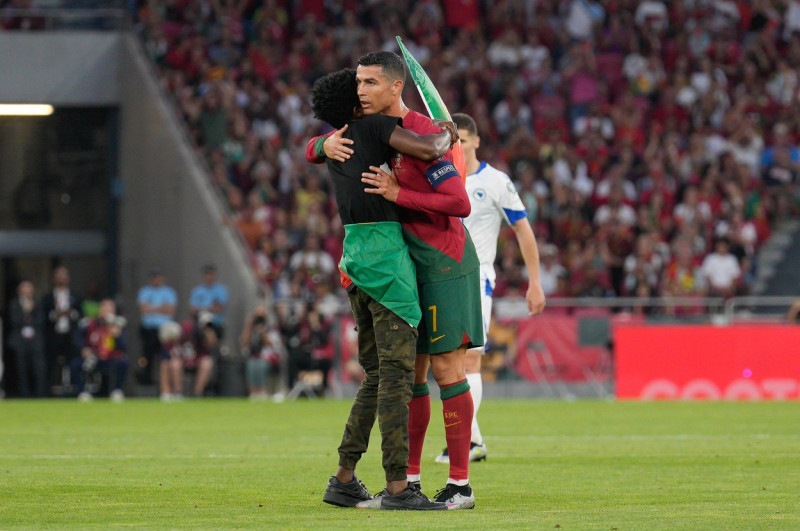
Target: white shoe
{"type": "Point", "coordinates": [443, 457]}
{"type": "Point", "coordinates": [456, 497]}
{"type": "Point", "coordinates": [85, 396]}
{"type": "Point", "coordinates": [477, 452]}
{"type": "Point", "coordinates": [374, 503]}
{"type": "Point", "coordinates": [165, 397]}
{"type": "Point", "coordinates": [117, 396]}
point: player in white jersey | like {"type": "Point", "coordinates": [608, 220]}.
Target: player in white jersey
{"type": "Point", "coordinates": [494, 199]}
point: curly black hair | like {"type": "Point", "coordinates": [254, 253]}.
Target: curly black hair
{"type": "Point", "coordinates": [334, 97]}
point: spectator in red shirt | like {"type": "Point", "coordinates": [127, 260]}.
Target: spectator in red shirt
{"type": "Point", "coordinates": [103, 351]}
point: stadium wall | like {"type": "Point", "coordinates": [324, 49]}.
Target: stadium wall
{"type": "Point", "coordinates": [169, 213]}
{"type": "Point", "coordinates": [63, 69]}
{"type": "Point", "coordinates": [172, 215]}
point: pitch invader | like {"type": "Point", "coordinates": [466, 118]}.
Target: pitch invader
{"type": "Point", "coordinates": [494, 200]}
{"type": "Point", "coordinates": [432, 200]}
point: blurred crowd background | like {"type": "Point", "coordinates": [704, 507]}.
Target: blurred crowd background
{"type": "Point", "coordinates": [646, 138]}
{"type": "Point", "coordinates": [654, 144]}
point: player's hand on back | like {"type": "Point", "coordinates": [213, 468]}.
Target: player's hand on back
{"type": "Point", "coordinates": [535, 299]}
{"type": "Point", "coordinates": [448, 126]}
{"type": "Point", "coordinates": [335, 146]}
{"type": "Point", "coordinates": [384, 184]}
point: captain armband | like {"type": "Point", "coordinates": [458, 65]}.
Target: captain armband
{"type": "Point", "coordinates": [440, 171]}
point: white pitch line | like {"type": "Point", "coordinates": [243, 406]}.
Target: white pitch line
{"type": "Point", "coordinates": [668, 437]}
{"type": "Point", "coordinates": [496, 456]}
{"type": "Point", "coordinates": [17, 457]}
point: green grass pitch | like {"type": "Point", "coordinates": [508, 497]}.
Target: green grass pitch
{"type": "Point", "coordinates": [230, 463]}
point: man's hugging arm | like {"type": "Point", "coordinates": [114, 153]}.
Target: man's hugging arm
{"type": "Point", "coordinates": [331, 145]}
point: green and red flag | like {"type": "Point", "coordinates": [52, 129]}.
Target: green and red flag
{"type": "Point", "coordinates": [437, 110]}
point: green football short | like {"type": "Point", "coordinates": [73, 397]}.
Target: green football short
{"type": "Point", "coordinates": [451, 314]}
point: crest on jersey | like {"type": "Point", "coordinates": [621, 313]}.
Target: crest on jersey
{"type": "Point", "coordinates": [479, 194]}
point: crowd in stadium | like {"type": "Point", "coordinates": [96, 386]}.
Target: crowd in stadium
{"type": "Point", "coordinates": [651, 141]}
{"type": "Point", "coordinates": [655, 144]}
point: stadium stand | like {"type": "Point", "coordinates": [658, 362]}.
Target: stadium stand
{"type": "Point", "coordinates": [638, 132]}
{"type": "Point", "coordinates": [653, 122]}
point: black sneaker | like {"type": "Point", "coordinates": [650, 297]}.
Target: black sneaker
{"type": "Point", "coordinates": [375, 502]}
{"type": "Point", "coordinates": [417, 486]}
{"type": "Point", "coordinates": [410, 500]}
{"type": "Point", "coordinates": [456, 497]}
{"type": "Point", "coordinates": [345, 494]}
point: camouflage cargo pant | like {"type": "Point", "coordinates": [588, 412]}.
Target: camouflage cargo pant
{"type": "Point", "coordinates": [386, 351]}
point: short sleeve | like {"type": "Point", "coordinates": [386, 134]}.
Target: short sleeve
{"type": "Point", "coordinates": [509, 201]}
{"type": "Point", "coordinates": [380, 126]}
{"type": "Point", "coordinates": [222, 294]}
{"type": "Point", "coordinates": [172, 297]}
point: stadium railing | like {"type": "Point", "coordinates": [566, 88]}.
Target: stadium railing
{"type": "Point", "coordinates": [654, 310]}
{"type": "Point", "coordinates": [742, 308]}
{"type": "Point", "coordinates": [63, 17]}
{"type": "Point", "coordinates": [716, 309]}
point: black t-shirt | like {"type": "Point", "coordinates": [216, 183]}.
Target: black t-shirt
{"type": "Point", "coordinates": [371, 136]}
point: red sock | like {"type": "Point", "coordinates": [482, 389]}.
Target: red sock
{"type": "Point", "coordinates": [419, 416]}
{"type": "Point", "coordinates": [457, 409]}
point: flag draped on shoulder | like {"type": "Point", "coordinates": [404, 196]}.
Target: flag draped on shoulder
{"type": "Point", "coordinates": [434, 104]}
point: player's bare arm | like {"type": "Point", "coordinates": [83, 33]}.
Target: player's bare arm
{"type": "Point", "coordinates": [426, 147]}
{"type": "Point", "coordinates": [335, 146]}
{"type": "Point", "coordinates": [530, 255]}
{"type": "Point", "coordinates": [449, 126]}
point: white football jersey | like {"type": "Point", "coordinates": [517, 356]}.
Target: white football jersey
{"type": "Point", "coordinates": [494, 198]}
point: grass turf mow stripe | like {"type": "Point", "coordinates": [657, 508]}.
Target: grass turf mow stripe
{"type": "Point", "coordinates": [221, 464]}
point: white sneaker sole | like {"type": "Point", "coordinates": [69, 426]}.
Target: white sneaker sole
{"type": "Point", "coordinates": [464, 503]}
{"type": "Point", "coordinates": [478, 455]}
{"type": "Point", "coordinates": [374, 503]}
{"type": "Point", "coordinates": [474, 455]}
